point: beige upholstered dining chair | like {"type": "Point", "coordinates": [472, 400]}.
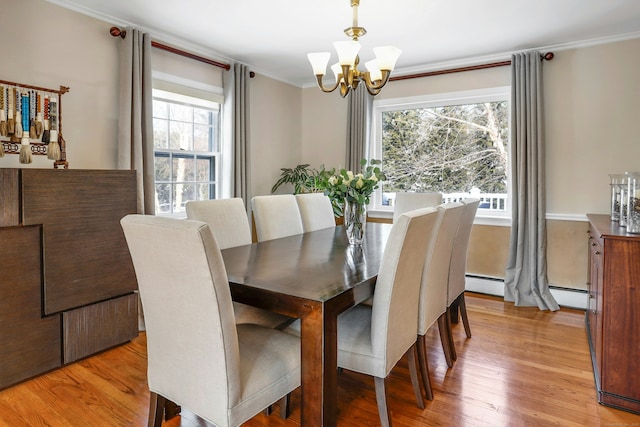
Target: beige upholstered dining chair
{"type": "Point", "coordinates": [372, 339]}
{"type": "Point", "coordinates": [457, 271]}
{"type": "Point", "coordinates": [316, 211]}
{"type": "Point", "coordinates": [197, 356]}
{"type": "Point", "coordinates": [276, 216]}
{"type": "Point", "coordinates": [226, 217]}
{"type": "Point", "coordinates": [408, 201]}
{"type": "Point", "coordinates": [433, 290]}
{"type": "Point", "coordinates": [229, 223]}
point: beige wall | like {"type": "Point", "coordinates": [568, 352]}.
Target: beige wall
{"type": "Point", "coordinates": [68, 49]}
{"type": "Point", "coordinates": [324, 128]}
{"type": "Point", "coordinates": [276, 116]}
{"type": "Point", "coordinates": [566, 252]}
{"type": "Point", "coordinates": [592, 100]}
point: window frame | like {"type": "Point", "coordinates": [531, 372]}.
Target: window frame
{"type": "Point", "coordinates": [474, 96]}
{"type": "Point", "coordinates": [175, 97]}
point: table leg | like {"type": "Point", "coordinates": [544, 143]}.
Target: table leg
{"type": "Point", "coordinates": [319, 368]}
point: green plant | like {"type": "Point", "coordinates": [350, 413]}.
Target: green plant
{"type": "Point", "coordinates": [344, 185]}
{"type": "Point", "coordinates": [303, 179]}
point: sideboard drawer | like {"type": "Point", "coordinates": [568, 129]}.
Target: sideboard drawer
{"type": "Point", "coordinates": [96, 327]}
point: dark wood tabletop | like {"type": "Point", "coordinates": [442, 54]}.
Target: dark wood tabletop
{"type": "Point", "coordinates": [315, 277]}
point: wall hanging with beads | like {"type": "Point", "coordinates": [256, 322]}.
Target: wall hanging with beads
{"type": "Point", "coordinates": [31, 122]}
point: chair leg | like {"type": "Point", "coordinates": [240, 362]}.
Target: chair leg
{"type": "Point", "coordinates": [444, 338]}
{"type": "Point", "coordinates": [381, 400]}
{"type": "Point", "coordinates": [156, 409]}
{"type": "Point", "coordinates": [170, 409]}
{"type": "Point", "coordinates": [463, 312]}
{"type": "Point", "coordinates": [424, 365]}
{"type": "Point", "coordinates": [284, 406]}
{"type": "Point", "coordinates": [452, 345]}
{"type": "Point", "coordinates": [267, 411]}
{"type": "Point", "coordinates": [413, 373]}
{"type": "Point", "coordinates": [453, 311]}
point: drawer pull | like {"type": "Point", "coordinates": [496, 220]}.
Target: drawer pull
{"type": "Point", "coordinates": [597, 252]}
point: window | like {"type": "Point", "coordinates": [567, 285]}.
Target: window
{"type": "Point", "coordinates": [456, 143]}
{"type": "Point", "coordinates": [186, 140]}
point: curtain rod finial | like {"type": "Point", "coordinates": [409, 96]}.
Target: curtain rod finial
{"type": "Point", "coordinates": [548, 56]}
{"type": "Point", "coordinates": [117, 32]}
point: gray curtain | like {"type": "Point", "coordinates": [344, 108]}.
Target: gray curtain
{"type": "Point", "coordinates": [358, 127]}
{"type": "Point", "coordinates": [526, 273]}
{"type": "Point", "coordinates": [236, 121]}
{"type": "Point", "coordinates": [135, 123]}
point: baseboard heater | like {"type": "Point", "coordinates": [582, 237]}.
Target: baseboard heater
{"type": "Point", "coordinates": [571, 298]}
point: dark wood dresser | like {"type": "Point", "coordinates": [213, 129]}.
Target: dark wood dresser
{"type": "Point", "coordinates": [613, 316]}
{"type": "Point", "coordinates": [66, 278]}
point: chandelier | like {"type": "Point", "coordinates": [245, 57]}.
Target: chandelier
{"type": "Point", "coordinates": [348, 76]}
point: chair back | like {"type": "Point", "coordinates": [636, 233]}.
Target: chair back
{"type": "Point", "coordinates": [398, 285]}
{"type": "Point", "coordinates": [408, 201]}
{"type": "Point", "coordinates": [435, 277]}
{"type": "Point", "coordinates": [276, 216]}
{"type": "Point", "coordinates": [192, 341]}
{"type": "Point", "coordinates": [227, 219]}
{"type": "Point", "coordinates": [458, 268]}
{"type": "Point", "coordinates": [316, 211]}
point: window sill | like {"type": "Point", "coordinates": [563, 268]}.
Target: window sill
{"type": "Point", "coordinates": [176, 215]}
{"type": "Point", "coordinates": [492, 220]}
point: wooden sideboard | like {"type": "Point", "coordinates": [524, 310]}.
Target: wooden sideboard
{"type": "Point", "coordinates": [613, 315]}
{"type": "Point", "coordinates": [66, 278]}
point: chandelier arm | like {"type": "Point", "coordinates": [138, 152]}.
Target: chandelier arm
{"type": "Point", "coordinates": [321, 86]}
{"type": "Point", "coordinates": [344, 89]}
{"type": "Point", "coordinates": [372, 91]}
{"type": "Point", "coordinates": [372, 85]}
{"type": "Point", "coordinates": [348, 73]}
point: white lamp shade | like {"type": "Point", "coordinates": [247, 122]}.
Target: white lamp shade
{"type": "Point", "coordinates": [337, 69]}
{"type": "Point", "coordinates": [319, 61]}
{"type": "Point", "coordinates": [387, 56]}
{"type": "Point", "coordinates": [374, 70]}
{"type": "Point", "coordinates": [347, 52]}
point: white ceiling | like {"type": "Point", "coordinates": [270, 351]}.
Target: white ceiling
{"type": "Point", "coordinates": [273, 37]}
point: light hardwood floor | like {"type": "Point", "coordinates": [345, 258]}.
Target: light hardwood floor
{"type": "Point", "coordinates": [522, 367]}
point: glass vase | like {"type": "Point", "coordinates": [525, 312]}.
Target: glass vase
{"type": "Point", "coordinates": [633, 202]}
{"type": "Point", "coordinates": [623, 202]}
{"type": "Point", "coordinates": [355, 221]}
{"type": "Point", "coordinates": [617, 181]}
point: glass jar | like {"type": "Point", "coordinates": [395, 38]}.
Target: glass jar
{"type": "Point", "coordinates": [623, 202]}
{"type": "Point", "coordinates": [633, 202]}
{"type": "Point", "coordinates": [617, 180]}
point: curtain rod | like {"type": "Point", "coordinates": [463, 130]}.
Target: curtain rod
{"type": "Point", "coordinates": [547, 56]}
{"type": "Point", "coordinates": [117, 32]}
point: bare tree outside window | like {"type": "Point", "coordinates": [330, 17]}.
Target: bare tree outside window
{"type": "Point", "coordinates": [451, 149]}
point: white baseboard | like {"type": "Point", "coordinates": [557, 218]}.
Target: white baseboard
{"type": "Point", "coordinates": [565, 297]}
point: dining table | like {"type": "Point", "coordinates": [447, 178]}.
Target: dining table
{"type": "Point", "coordinates": [313, 276]}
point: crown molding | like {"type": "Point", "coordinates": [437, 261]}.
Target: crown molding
{"type": "Point", "coordinates": [156, 34]}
